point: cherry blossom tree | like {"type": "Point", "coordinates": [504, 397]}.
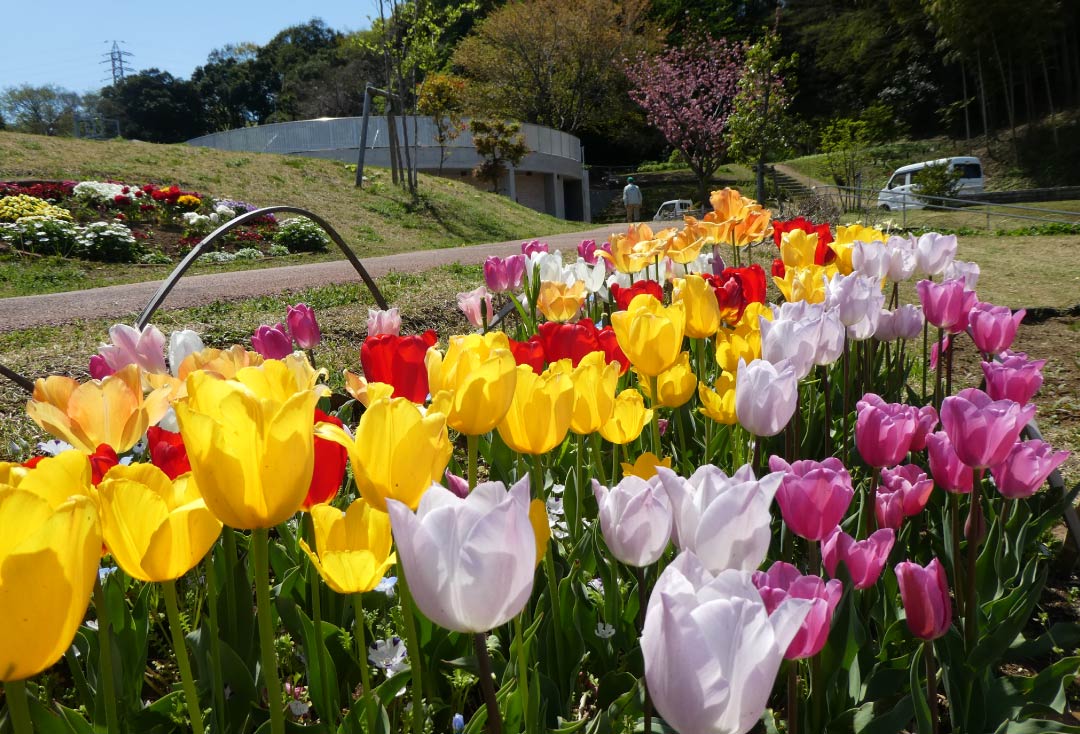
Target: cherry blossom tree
{"type": "Point", "coordinates": [688, 93]}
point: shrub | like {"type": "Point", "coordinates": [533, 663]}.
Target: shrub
{"type": "Point", "coordinates": [278, 251]}
{"type": "Point", "coordinates": [217, 257]}
{"type": "Point", "coordinates": [155, 258]}
{"type": "Point", "coordinates": [108, 242]}
{"type": "Point", "coordinates": [42, 234]}
{"type": "Point", "coordinates": [14, 208]}
{"type": "Point", "coordinates": [938, 180]}
{"type": "Point", "coordinates": [247, 253]}
{"type": "Point", "coordinates": [301, 235]}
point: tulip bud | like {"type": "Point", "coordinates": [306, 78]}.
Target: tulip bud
{"type": "Point", "coordinates": [1015, 377]}
{"type": "Point", "coordinates": [883, 431]}
{"type": "Point", "coordinates": [272, 342]}
{"type": "Point", "coordinates": [635, 517]}
{"type": "Point", "coordinates": [765, 396]}
{"type": "Point", "coordinates": [993, 328]}
{"type": "Point", "coordinates": [303, 326]}
{"type": "Point", "coordinates": [925, 592]}
{"type": "Point", "coordinates": [383, 322]}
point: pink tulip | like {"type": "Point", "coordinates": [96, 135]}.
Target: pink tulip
{"type": "Point", "coordinates": [906, 322]}
{"type": "Point", "coordinates": [946, 305]}
{"type": "Point", "coordinates": [636, 519]}
{"type": "Point", "coordinates": [993, 328]}
{"type": "Point", "coordinates": [458, 485]}
{"type": "Point", "coordinates": [1026, 467]}
{"type": "Point", "coordinates": [864, 559]}
{"type": "Point", "coordinates": [272, 342]}
{"type": "Point", "coordinates": [936, 350]}
{"type": "Point", "coordinates": [783, 581]}
{"type": "Point", "coordinates": [925, 592]}
{"type": "Point", "coordinates": [504, 273]}
{"type": "Point", "coordinates": [383, 322]}
{"type": "Point", "coordinates": [587, 251]}
{"type": "Point", "coordinates": [145, 348]}
{"type": "Point", "coordinates": [813, 496]}
{"type": "Point", "coordinates": [1015, 377]}
{"type": "Point", "coordinates": [530, 248]}
{"type": "Point", "coordinates": [982, 431]}
{"type": "Point", "coordinates": [948, 471]}
{"type": "Point", "coordinates": [303, 326]}
{"type": "Point", "coordinates": [99, 367]}
{"type": "Point", "coordinates": [904, 492]}
{"type": "Point", "coordinates": [883, 431]}
{"type": "Point", "coordinates": [926, 422]}
{"type": "Point", "coordinates": [469, 303]}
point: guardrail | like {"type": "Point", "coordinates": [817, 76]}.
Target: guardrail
{"type": "Point", "coordinates": [864, 196]}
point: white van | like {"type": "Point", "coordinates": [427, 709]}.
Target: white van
{"type": "Point", "coordinates": [904, 183]}
{"type": "Point", "coordinates": [674, 209]}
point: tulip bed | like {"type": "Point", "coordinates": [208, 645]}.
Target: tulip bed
{"type": "Point", "coordinates": [644, 500]}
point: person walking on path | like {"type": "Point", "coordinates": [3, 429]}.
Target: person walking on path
{"type": "Point", "coordinates": [631, 198]}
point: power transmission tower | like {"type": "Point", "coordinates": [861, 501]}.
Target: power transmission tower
{"type": "Point", "coordinates": [116, 59]}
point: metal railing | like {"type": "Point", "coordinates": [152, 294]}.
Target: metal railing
{"type": "Point", "coordinates": [865, 199]}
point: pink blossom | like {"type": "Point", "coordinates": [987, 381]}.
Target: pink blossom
{"type": "Point", "coordinates": [982, 431]}
{"type": "Point", "coordinates": [993, 328]}
{"type": "Point", "coordinates": [864, 559]}
{"type": "Point", "coordinates": [783, 581]}
{"type": "Point", "coordinates": [813, 496]}
{"type": "Point", "coordinates": [383, 322]}
{"type": "Point", "coordinates": [470, 305]}
{"type": "Point", "coordinates": [1026, 467]}
{"type": "Point", "coordinates": [272, 342]}
{"type": "Point", "coordinates": [1015, 377]}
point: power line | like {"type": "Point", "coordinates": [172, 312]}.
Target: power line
{"type": "Point", "coordinates": [116, 59]}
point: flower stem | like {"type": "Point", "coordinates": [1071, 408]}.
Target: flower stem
{"type": "Point", "coordinates": [182, 661]}
{"type": "Point", "coordinates": [18, 710]}
{"type": "Point", "coordinates": [473, 444]}
{"type": "Point", "coordinates": [954, 521]}
{"type": "Point", "coordinates": [643, 602]}
{"type": "Point", "coordinates": [793, 697]}
{"type": "Point", "coordinates": [598, 457]}
{"type": "Point", "coordinates": [579, 486]}
{"type": "Point", "coordinates": [974, 522]}
{"type": "Point", "coordinates": [494, 718]}
{"type": "Point", "coordinates": [112, 721]}
{"type": "Point", "coordinates": [228, 539]}
{"type": "Point", "coordinates": [412, 644]}
{"type": "Point", "coordinates": [871, 498]}
{"type": "Point", "coordinates": [215, 645]}
{"type": "Point", "coordinates": [931, 684]}
{"type": "Point", "coordinates": [326, 712]}
{"type": "Point", "coordinates": [360, 634]}
{"type": "Point", "coordinates": [523, 673]}
{"type": "Point", "coordinates": [654, 385]}
{"type": "Point", "coordinates": [260, 551]}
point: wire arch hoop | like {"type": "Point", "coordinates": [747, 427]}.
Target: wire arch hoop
{"type": "Point", "coordinates": [204, 244]}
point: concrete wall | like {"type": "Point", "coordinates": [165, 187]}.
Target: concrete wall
{"type": "Point", "coordinates": [554, 155]}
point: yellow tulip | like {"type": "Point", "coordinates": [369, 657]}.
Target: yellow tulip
{"type": "Point", "coordinates": [111, 410]}
{"type": "Point", "coordinates": [559, 301]}
{"type": "Point", "coordinates": [645, 466]}
{"type": "Point", "coordinates": [637, 248]}
{"type": "Point", "coordinates": [595, 381]}
{"type": "Point", "coordinates": [728, 204]}
{"type": "Point", "coordinates": [650, 334]}
{"type": "Point", "coordinates": [627, 419]}
{"type": "Point", "coordinates": [702, 309]}
{"type": "Point", "coordinates": [750, 321]}
{"type": "Point", "coordinates": [157, 529]}
{"type": "Point", "coordinates": [55, 477]}
{"type": "Point", "coordinates": [250, 442]}
{"type": "Point", "coordinates": [538, 518]}
{"type": "Point", "coordinates": [719, 404]}
{"type": "Point", "coordinates": [684, 247]}
{"type": "Point", "coordinates": [479, 373]}
{"type": "Point", "coordinates": [736, 346]}
{"type": "Point", "coordinates": [674, 386]}
{"type": "Point", "coordinates": [49, 554]}
{"type": "Point", "coordinates": [366, 392]}
{"type": "Point", "coordinates": [805, 284]}
{"type": "Point", "coordinates": [398, 450]}
{"type": "Point", "coordinates": [353, 546]}
{"type": "Point", "coordinates": [798, 249]}
{"type": "Point", "coordinates": [541, 411]}
{"type": "Point", "coordinates": [223, 362]}
{"type": "Point", "coordinates": [844, 244]}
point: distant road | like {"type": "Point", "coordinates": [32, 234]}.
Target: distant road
{"type": "Point", "coordinates": [125, 302]}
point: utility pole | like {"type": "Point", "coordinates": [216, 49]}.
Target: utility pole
{"type": "Point", "coordinates": [116, 59]}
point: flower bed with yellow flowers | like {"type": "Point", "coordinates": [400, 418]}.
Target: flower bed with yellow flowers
{"type": "Point", "coordinates": [638, 497]}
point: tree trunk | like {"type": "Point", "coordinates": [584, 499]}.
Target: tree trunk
{"type": "Point", "coordinates": [1049, 99]}
{"type": "Point", "coordinates": [1010, 101]}
{"type": "Point", "coordinates": [982, 98]}
{"type": "Point", "coordinates": [762, 151]}
{"type": "Point", "coordinates": [967, 113]}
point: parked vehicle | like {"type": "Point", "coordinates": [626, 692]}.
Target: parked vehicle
{"type": "Point", "coordinates": [900, 192]}
{"type": "Point", "coordinates": [674, 209]}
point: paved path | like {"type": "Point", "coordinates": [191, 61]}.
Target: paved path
{"type": "Point", "coordinates": [125, 302]}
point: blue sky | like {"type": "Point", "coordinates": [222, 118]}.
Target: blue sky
{"type": "Point", "coordinates": [63, 42]}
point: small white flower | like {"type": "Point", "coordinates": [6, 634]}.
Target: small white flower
{"type": "Point", "coordinates": [54, 447]}
{"type": "Point", "coordinates": [604, 631]}
{"type": "Point", "coordinates": [386, 586]}
{"type": "Point", "coordinates": [388, 655]}
{"type": "Point", "coordinates": [596, 585]}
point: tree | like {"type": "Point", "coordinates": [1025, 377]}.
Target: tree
{"type": "Point", "coordinates": [440, 96]}
{"type": "Point", "coordinates": [499, 142]}
{"type": "Point", "coordinates": [47, 110]}
{"type": "Point", "coordinates": [236, 87]}
{"type": "Point", "coordinates": [154, 106]}
{"type": "Point", "coordinates": [759, 126]}
{"type": "Point", "coordinates": [688, 94]}
{"type": "Point", "coordinates": [555, 63]}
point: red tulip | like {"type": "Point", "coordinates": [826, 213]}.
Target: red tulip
{"type": "Point", "coordinates": [330, 460]}
{"type": "Point", "coordinates": [568, 341]}
{"type": "Point", "coordinates": [611, 348]}
{"type": "Point", "coordinates": [778, 269]}
{"type": "Point", "coordinates": [101, 461]}
{"type": "Point", "coordinates": [167, 452]}
{"type": "Point", "coordinates": [399, 361]}
{"type": "Point", "coordinates": [821, 230]}
{"type": "Point", "coordinates": [925, 592]}
{"type": "Point", "coordinates": [529, 352]}
{"type": "Point", "coordinates": [623, 296]}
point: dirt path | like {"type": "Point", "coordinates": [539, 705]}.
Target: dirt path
{"type": "Point", "coordinates": [810, 183]}
{"type": "Point", "coordinates": [125, 302]}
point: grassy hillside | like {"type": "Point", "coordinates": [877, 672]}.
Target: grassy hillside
{"type": "Point", "coordinates": [377, 220]}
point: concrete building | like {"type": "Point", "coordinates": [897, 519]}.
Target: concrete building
{"type": "Point", "coordinates": [550, 179]}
